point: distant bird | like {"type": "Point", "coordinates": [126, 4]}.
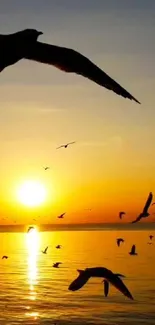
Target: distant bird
{"type": "Point", "coordinates": [61, 215]}
{"type": "Point", "coordinates": [119, 241]}
{"type": "Point", "coordinates": [151, 237]}
{"type": "Point", "coordinates": [30, 228]}
{"type": "Point", "coordinates": [58, 246]}
{"type": "Point", "coordinates": [56, 265]}
{"type": "Point", "coordinates": [46, 168]}
{"type": "Point", "coordinates": [121, 213]}
{"type": "Point", "coordinates": [24, 45]}
{"type": "Point", "coordinates": [106, 284]}
{"type": "Point", "coordinates": [4, 257]}
{"type": "Point", "coordinates": [133, 250]}
{"type": "Point", "coordinates": [145, 213]}
{"type": "Point", "coordinates": [45, 250]}
{"type": "Point", "coordinates": [101, 272]}
{"type": "Point", "coordinates": [65, 145]}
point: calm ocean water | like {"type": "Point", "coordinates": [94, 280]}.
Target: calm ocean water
{"type": "Point", "coordinates": [32, 292]}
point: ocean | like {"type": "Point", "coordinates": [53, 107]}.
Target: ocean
{"type": "Point", "coordinates": [33, 292]}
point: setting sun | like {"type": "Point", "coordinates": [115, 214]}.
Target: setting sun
{"type": "Point", "coordinates": [31, 193]}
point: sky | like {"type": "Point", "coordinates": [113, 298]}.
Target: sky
{"type": "Point", "coordinates": [111, 167]}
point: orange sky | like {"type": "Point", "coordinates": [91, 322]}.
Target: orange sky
{"type": "Point", "coordinates": [111, 166]}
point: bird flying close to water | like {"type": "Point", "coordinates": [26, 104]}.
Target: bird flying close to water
{"type": "Point", "coordinates": [30, 228]}
{"type": "Point", "coordinates": [56, 265]}
{"type": "Point", "coordinates": [61, 215]}
{"type": "Point", "coordinates": [101, 272]}
{"type": "Point", "coordinates": [119, 241]}
{"type": "Point", "coordinates": [144, 213]}
{"type": "Point", "coordinates": [133, 250]}
{"type": "Point", "coordinates": [4, 257]}
{"type": "Point", "coordinates": [24, 45]}
{"type": "Point", "coordinates": [45, 250]}
{"type": "Point", "coordinates": [121, 214]}
{"type": "Point", "coordinates": [58, 246]}
{"type": "Point", "coordinates": [65, 145]}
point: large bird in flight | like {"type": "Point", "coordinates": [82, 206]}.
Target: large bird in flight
{"type": "Point", "coordinates": [145, 213]}
{"type": "Point", "coordinates": [65, 145]}
{"type": "Point", "coordinates": [99, 272]}
{"type": "Point", "coordinates": [24, 45]}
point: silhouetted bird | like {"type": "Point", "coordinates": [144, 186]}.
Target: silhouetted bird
{"type": "Point", "coordinates": [4, 257]}
{"type": "Point", "coordinates": [58, 246]}
{"type": "Point", "coordinates": [133, 250]}
{"type": "Point", "coordinates": [30, 228]}
{"type": "Point", "coordinates": [45, 250]}
{"type": "Point", "coordinates": [56, 265]}
{"type": "Point", "coordinates": [66, 145]}
{"type": "Point", "coordinates": [46, 168]}
{"type": "Point", "coordinates": [101, 272]}
{"type": "Point", "coordinates": [119, 241]}
{"type": "Point", "coordinates": [24, 45]}
{"type": "Point", "coordinates": [61, 215]}
{"type": "Point", "coordinates": [121, 214]}
{"type": "Point", "coordinates": [145, 213]}
{"type": "Point", "coordinates": [151, 237]}
{"type": "Point", "coordinates": [106, 284]}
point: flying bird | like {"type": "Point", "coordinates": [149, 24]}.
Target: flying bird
{"type": "Point", "coordinates": [106, 284]}
{"type": "Point", "coordinates": [46, 168]}
{"type": "Point", "coordinates": [58, 246]}
{"type": "Point", "coordinates": [24, 45]}
{"type": "Point", "coordinates": [119, 241]}
{"type": "Point", "coordinates": [133, 250]}
{"type": "Point", "coordinates": [65, 145]}
{"type": "Point", "coordinates": [4, 257]}
{"type": "Point", "coordinates": [151, 237]}
{"type": "Point", "coordinates": [45, 250]}
{"type": "Point", "coordinates": [61, 215]}
{"type": "Point", "coordinates": [56, 265]}
{"type": "Point", "coordinates": [30, 228]}
{"type": "Point", "coordinates": [121, 213]}
{"type": "Point", "coordinates": [144, 213]}
{"type": "Point", "coordinates": [101, 272]}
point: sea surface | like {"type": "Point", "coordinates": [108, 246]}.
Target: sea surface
{"type": "Point", "coordinates": [33, 292]}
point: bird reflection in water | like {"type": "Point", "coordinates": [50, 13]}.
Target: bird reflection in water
{"type": "Point", "coordinates": [32, 247]}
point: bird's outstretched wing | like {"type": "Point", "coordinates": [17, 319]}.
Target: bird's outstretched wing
{"type": "Point", "coordinates": [106, 287]}
{"type": "Point", "coordinates": [46, 249]}
{"type": "Point", "coordinates": [118, 284]}
{"type": "Point", "coordinates": [138, 218]}
{"type": "Point", "coordinates": [148, 202]}
{"type": "Point", "coordinates": [60, 147]}
{"type": "Point", "coordinates": [69, 60]}
{"type": "Point", "coordinates": [133, 249]}
{"type": "Point", "coordinates": [70, 143]}
{"type": "Point", "coordinates": [79, 282]}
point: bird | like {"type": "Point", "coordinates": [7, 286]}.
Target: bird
{"type": "Point", "coordinates": [61, 215]}
{"type": "Point", "coordinates": [45, 250]}
{"type": "Point", "coordinates": [46, 168]}
{"type": "Point", "coordinates": [145, 213]}
{"type": "Point", "coordinates": [151, 237]}
{"type": "Point", "coordinates": [4, 257]}
{"type": "Point", "coordinates": [30, 228]}
{"type": "Point", "coordinates": [121, 213]}
{"type": "Point", "coordinates": [106, 284]}
{"type": "Point", "coordinates": [150, 243]}
{"type": "Point", "coordinates": [24, 44]}
{"type": "Point", "coordinates": [119, 241]}
{"type": "Point", "coordinates": [56, 265]}
{"type": "Point", "coordinates": [65, 145]}
{"type": "Point", "coordinates": [133, 250]}
{"type": "Point", "coordinates": [58, 246]}
{"type": "Point", "coordinates": [101, 272]}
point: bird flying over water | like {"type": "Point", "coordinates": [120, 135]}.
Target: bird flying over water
{"type": "Point", "coordinates": [133, 250]}
{"type": "Point", "coordinates": [106, 284]}
{"type": "Point", "coordinates": [46, 168]}
{"type": "Point", "coordinates": [56, 265]}
{"type": "Point", "coordinates": [66, 145]}
{"type": "Point", "coordinates": [121, 213]}
{"type": "Point", "coordinates": [144, 213]}
{"type": "Point", "coordinates": [4, 257]}
{"type": "Point", "coordinates": [61, 215]}
{"type": "Point", "coordinates": [119, 241]}
{"type": "Point", "coordinates": [30, 228]}
{"type": "Point", "coordinates": [45, 250]}
{"type": "Point", "coordinates": [24, 45]}
{"type": "Point", "coordinates": [151, 237]}
{"type": "Point", "coordinates": [101, 272]}
{"type": "Point", "coordinates": [58, 246]}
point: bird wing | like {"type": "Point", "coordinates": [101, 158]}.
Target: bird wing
{"type": "Point", "coordinates": [46, 249]}
{"type": "Point", "coordinates": [118, 284]}
{"type": "Point", "coordinates": [138, 218]}
{"type": "Point", "coordinates": [133, 249]}
{"type": "Point", "coordinates": [69, 60]}
{"type": "Point", "coordinates": [118, 242]}
{"type": "Point", "coordinates": [148, 202]}
{"type": "Point", "coordinates": [79, 282]}
{"type": "Point", "coordinates": [106, 287]}
{"type": "Point", "coordinates": [70, 143]}
{"type": "Point", "coordinates": [60, 147]}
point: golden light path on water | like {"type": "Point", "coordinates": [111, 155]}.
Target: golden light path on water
{"type": "Point", "coordinates": [32, 242]}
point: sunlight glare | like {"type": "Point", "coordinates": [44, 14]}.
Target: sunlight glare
{"type": "Point", "coordinates": [32, 246]}
{"type": "Point", "coordinates": [31, 193]}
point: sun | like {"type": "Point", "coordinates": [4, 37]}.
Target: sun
{"type": "Point", "coordinates": [31, 193]}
